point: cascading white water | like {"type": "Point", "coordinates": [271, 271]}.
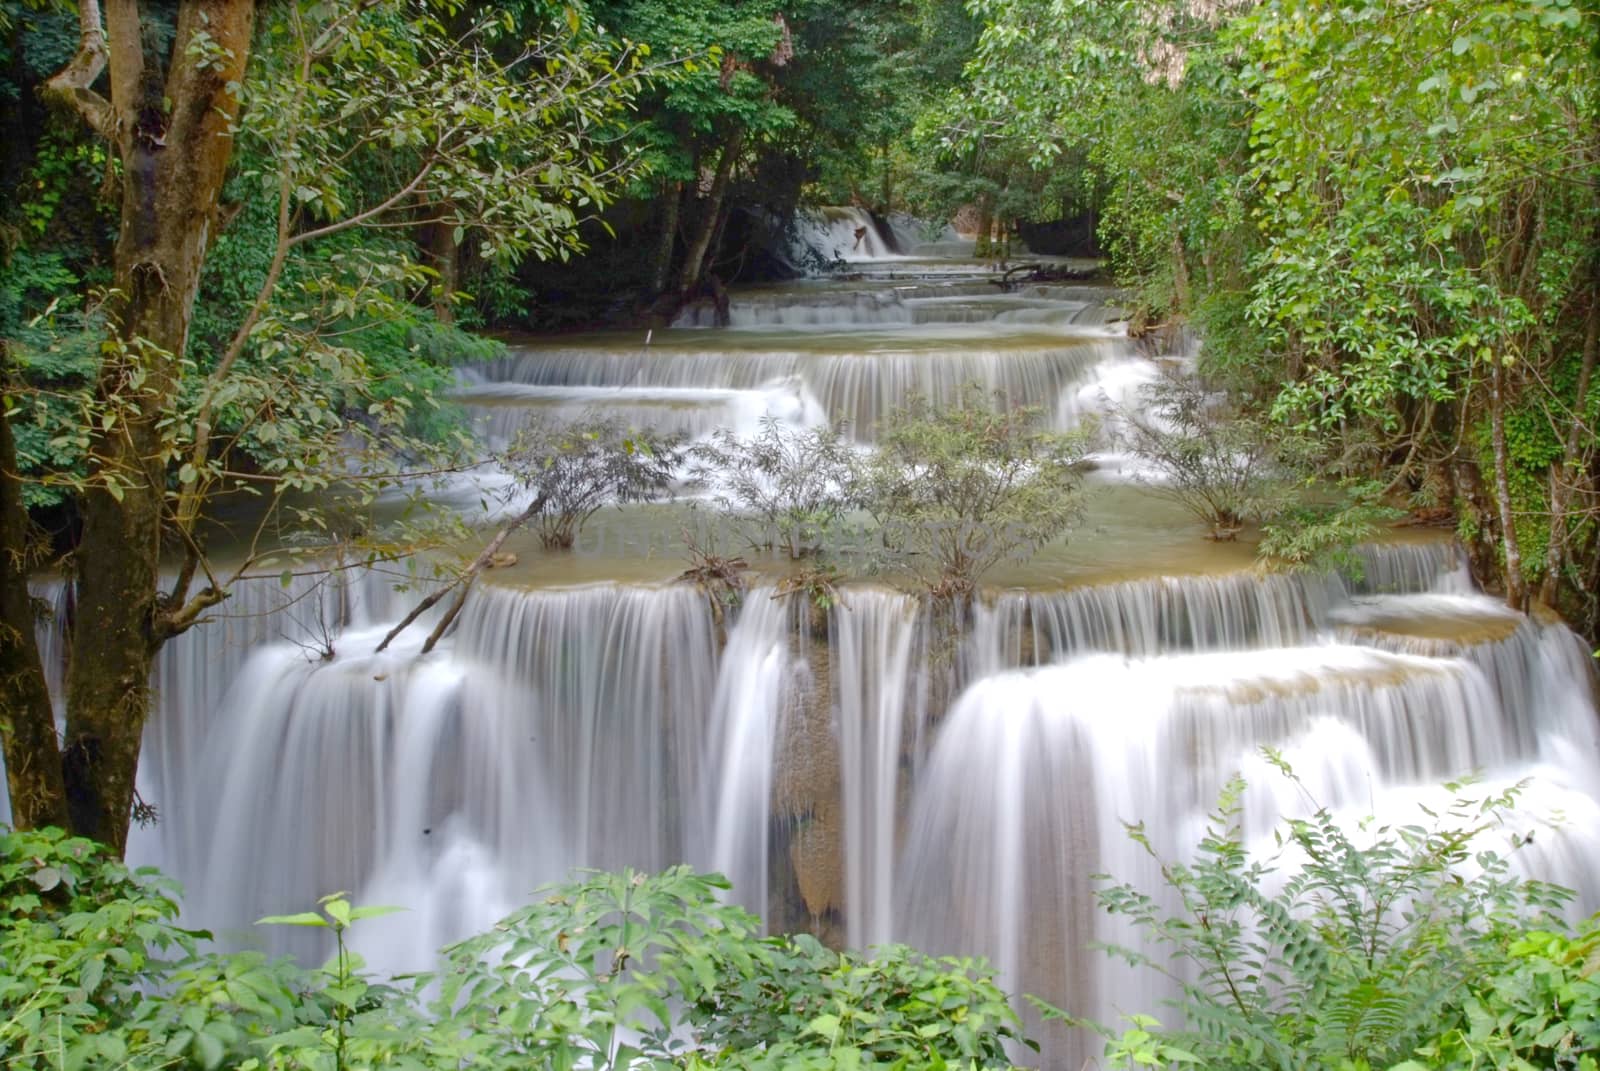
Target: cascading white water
{"type": "Point", "coordinates": [554, 729]}
{"type": "Point", "coordinates": [835, 772]}
{"type": "Point", "coordinates": [910, 304]}
{"type": "Point", "coordinates": [753, 694]}
{"type": "Point", "coordinates": [837, 233]}
{"type": "Point", "coordinates": [1035, 773]}
{"type": "Point", "coordinates": [879, 711]}
{"type": "Point", "coordinates": [859, 387]}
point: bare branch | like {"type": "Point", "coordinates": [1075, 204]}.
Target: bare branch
{"type": "Point", "coordinates": [484, 557]}
{"type": "Point", "coordinates": [70, 86]}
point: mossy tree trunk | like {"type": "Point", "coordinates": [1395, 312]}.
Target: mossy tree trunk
{"type": "Point", "coordinates": [172, 129]}
{"type": "Point", "coordinates": [27, 723]}
{"type": "Point", "coordinates": [694, 261]}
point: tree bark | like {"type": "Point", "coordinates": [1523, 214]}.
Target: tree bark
{"type": "Point", "coordinates": [173, 132]}
{"type": "Point", "coordinates": [695, 257]}
{"type": "Point", "coordinates": [981, 248]}
{"type": "Point", "coordinates": [1516, 586]}
{"type": "Point", "coordinates": [666, 240]}
{"type": "Point", "coordinates": [27, 722]}
{"type": "Point", "coordinates": [446, 252]}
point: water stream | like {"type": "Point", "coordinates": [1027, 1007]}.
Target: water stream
{"type": "Point", "coordinates": [853, 773]}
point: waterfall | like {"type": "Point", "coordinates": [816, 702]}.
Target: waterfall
{"type": "Point", "coordinates": [859, 387]}
{"type": "Point", "coordinates": [877, 768]}
{"type": "Point", "coordinates": [909, 305]}
{"type": "Point", "coordinates": [753, 694]}
{"type": "Point", "coordinates": [1035, 772]}
{"type": "Point", "coordinates": [878, 713]}
{"type": "Point", "coordinates": [828, 234]}
{"type": "Point", "coordinates": [554, 729]}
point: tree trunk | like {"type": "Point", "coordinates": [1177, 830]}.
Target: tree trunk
{"type": "Point", "coordinates": [173, 133]}
{"type": "Point", "coordinates": [666, 241]}
{"type": "Point", "coordinates": [985, 224]}
{"type": "Point", "coordinates": [27, 723]}
{"type": "Point", "coordinates": [446, 253]}
{"type": "Point", "coordinates": [1516, 586]}
{"type": "Point", "coordinates": [1180, 277]}
{"type": "Point", "coordinates": [695, 258]}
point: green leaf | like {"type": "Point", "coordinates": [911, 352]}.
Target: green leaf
{"type": "Point", "coordinates": [373, 911]}
{"type": "Point", "coordinates": [304, 918]}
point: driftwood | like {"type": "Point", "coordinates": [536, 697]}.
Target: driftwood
{"type": "Point", "coordinates": [461, 585]}
{"type": "Point", "coordinates": [1042, 273]}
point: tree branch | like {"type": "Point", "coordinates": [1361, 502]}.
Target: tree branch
{"type": "Point", "coordinates": [70, 86]}
{"type": "Point", "coordinates": [534, 509]}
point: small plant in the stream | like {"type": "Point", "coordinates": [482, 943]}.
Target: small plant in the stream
{"type": "Point", "coordinates": [572, 469]}
{"type": "Point", "coordinates": [1366, 946]}
{"type": "Point", "coordinates": [720, 577]}
{"type": "Point", "coordinates": [820, 588]}
{"type": "Point", "coordinates": [785, 487]}
{"type": "Point", "coordinates": [956, 491]}
{"type": "Point", "coordinates": [1225, 466]}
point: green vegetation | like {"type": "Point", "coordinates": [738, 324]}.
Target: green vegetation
{"type": "Point", "coordinates": [784, 486]}
{"type": "Point", "coordinates": [1384, 218]}
{"type": "Point", "coordinates": [615, 970]}
{"type": "Point", "coordinates": [957, 491]}
{"type": "Point", "coordinates": [1222, 465]}
{"type": "Point", "coordinates": [572, 469]}
{"type": "Point", "coordinates": [1361, 945]}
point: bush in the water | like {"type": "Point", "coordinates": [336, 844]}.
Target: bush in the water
{"type": "Point", "coordinates": [1380, 946]}
{"type": "Point", "coordinates": [572, 468]}
{"type": "Point", "coordinates": [1225, 466]}
{"type": "Point", "coordinates": [958, 490]}
{"type": "Point", "coordinates": [787, 487]}
{"type": "Point", "coordinates": [617, 970]}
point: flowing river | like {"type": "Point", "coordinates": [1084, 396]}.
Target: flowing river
{"type": "Point", "coordinates": [853, 777]}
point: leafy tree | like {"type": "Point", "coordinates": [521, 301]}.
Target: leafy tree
{"type": "Point", "coordinates": [1429, 265]}
{"type": "Point", "coordinates": [354, 120]}
{"type": "Point", "coordinates": [956, 491]}
{"type": "Point", "coordinates": [1129, 106]}
{"type": "Point", "coordinates": [701, 123]}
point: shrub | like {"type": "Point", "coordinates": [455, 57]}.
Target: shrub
{"type": "Point", "coordinates": [959, 490]}
{"type": "Point", "coordinates": [614, 970]}
{"type": "Point", "coordinates": [572, 469]}
{"type": "Point", "coordinates": [1223, 465]}
{"type": "Point", "coordinates": [788, 486]}
{"type": "Point", "coordinates": [1348, 950]}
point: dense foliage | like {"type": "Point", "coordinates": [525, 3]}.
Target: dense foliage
{"type": "Point", "coordinates": [614, 970]}
{"type": "Point", "coordinates": [1385, 219]}
{"type": "Point", "coordinates": [1349, 943]}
